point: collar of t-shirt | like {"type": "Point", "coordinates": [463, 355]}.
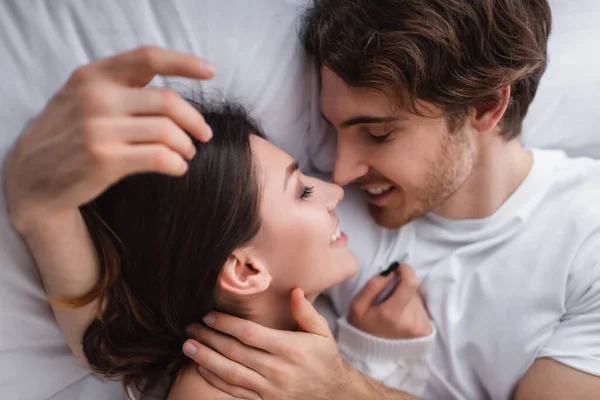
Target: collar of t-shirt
{"type": "Point", "coordinates": [515, 210]}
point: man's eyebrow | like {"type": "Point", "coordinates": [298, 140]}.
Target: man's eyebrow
{"type": "Point", "coordinates": [366, 119]}
{"type": "Point", "coordinates": [293, 167]}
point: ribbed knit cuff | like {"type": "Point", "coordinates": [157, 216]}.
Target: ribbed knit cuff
{"type": "Point", "coordinates": [364, 346]}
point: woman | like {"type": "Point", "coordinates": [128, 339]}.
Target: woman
{"type": "Point", "coordinates": [237, 233]}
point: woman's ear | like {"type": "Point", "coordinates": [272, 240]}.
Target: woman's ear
{"type": "Point", "coordinates": [488, 114]}
{"type": "Point", "coordinates": [244, 275]}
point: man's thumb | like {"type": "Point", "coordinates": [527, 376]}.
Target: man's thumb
{"type": "Point", "coordinates": [308, 319]}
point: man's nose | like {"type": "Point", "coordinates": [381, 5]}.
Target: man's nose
{"type": "Point", "coordinates": [348, 163]}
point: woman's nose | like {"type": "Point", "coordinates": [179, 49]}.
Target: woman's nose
{"type": "Point", "coordinates": [335, 194]}
{"type": "Point", "coordinates": [348, 165]}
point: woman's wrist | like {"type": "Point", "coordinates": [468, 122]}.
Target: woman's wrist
{"type": "Point", "coordinates": [35, 224]}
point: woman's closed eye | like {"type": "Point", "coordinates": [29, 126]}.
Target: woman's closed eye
{"type": "Point", "coordinates": [307, 192]}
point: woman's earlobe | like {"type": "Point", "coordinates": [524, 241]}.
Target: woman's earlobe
{"type": "Point", "coordinates": [243, 275]}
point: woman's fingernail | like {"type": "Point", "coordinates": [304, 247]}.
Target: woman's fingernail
{"type": "Point", "coordinates": [202, 370]}
{"type": "Point", "coordinates": [393, 266]}
{"type": "Point", "coordinates": [209, 319]}
{"type": "Point", "coordinates": [209, 132]}
{"type": "Point", "coordinates": [209, 67]}
{"type": "Point", "coordinates": [189, 349]}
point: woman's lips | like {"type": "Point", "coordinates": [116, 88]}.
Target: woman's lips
{"type": "Point", "coordinates": [341, 241]}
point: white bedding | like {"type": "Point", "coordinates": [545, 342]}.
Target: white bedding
{"type": "Point", "coordinates": [255, 47]}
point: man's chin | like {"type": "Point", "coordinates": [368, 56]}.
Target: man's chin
{"type": "Point", "coordinates": [389, 218]}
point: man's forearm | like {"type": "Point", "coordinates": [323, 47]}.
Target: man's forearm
{"type": "Point", "coordinates": [363, 387]}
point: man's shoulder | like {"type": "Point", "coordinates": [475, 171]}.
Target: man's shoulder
{"type": "Point", "coordinates": [574, 185]}
{"type": "Point", "coordinates": [571, 206]}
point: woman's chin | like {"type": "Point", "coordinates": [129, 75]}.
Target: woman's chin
{"type": "Point", "coordinates": [349, 266]}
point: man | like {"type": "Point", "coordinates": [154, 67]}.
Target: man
{"type": "Point", "coordinates": [428, 99]}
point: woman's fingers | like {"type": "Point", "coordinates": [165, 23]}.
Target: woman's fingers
{"type": "Point", "coordinates": [166, 103]}
{"type": "Point", "coordinates": [137, 67]}
{"type": "Point", "coordinates": [152, 130]}
{"type": "Point", "coordinates": [150, 158]}
{"type": "Point", "coordinates": [365, 299]}
{"type": "Point", "coordinates": [229, 371]}
{"type": "Point", "coordinates": [406, 289]}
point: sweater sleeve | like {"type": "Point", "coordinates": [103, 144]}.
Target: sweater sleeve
{"type": "Point", "coordinates": [397, 363]}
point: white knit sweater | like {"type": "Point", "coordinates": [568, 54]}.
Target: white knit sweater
{"type": "Point", "coordinates": [400, 364]}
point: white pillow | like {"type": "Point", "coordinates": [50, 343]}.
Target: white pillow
{"type": "Point", "coordinates": [255, 46]}
{"type": "Point", "coordinates": [565, 113]}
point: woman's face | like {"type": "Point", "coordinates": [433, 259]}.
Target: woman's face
{"type": "Point", "coordinates": [299, 240]}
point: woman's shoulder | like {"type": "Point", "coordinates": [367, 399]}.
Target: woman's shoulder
{"type": "Point", "coordinates": [190, 385]}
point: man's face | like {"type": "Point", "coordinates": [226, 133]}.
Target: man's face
{"type": "Point", "coordinates": [407, 165]}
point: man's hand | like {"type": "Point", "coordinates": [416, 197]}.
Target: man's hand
{"type": "Point", "coordinates": [100, 127]}
{"type": "Point", "coordinates": [258, 362]}
{"type": "Point", "coordinates": [401, 316]}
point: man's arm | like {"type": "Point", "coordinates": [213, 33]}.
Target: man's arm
{"type": "Point", "coordinates": [568, 364]}
{"type": "Point", "coordinates": [364, 387]}
{"type": "Point", "coordinates": [280, 364]}
{"type": "Point", "coordinates": [550, 380]}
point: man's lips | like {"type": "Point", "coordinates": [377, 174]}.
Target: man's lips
{"type": "Point", "coordinates": [378, 194]}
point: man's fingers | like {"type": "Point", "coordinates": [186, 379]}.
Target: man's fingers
{"type": "Point", "coordinates": [166, 103]}
{"type": "Point", "coordinates": [235, 391]}
{"type": "Point", "coordinates": [308, 319]}
{"type": "Point", "coordinates": [232, 348]}
{"type": "Point", "coordinates": [405, 291]}
{"type": "Point", "coordinates": [139, 66]}
{"type": "Point", "coordinates": [231, 372]}
{"type": "Point", "coordinates": [147, 158]}
{"type": "Point", "coordinates": [366, 297]}
{"type": "Point", "coordinates": [248, 332]}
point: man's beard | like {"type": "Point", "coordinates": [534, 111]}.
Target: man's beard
{"type": "Point", "coordinates": [442, 179]}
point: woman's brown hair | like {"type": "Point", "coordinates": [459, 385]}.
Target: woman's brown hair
{"type": "Point", "coordinates": [162, 243]}
{"type": "Point", "coordinates": [456, 54]}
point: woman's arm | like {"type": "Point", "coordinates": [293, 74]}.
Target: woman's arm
{"type": "Point", "coordinates": [80, 145]}
{"type": "Point", "coordinates": [66, 258]}
{"type": "Point", "coordinates": [398, 360]}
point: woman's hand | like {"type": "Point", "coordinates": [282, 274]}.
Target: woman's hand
{"type": "Point", "coordinates": [401, 316]}
{"type": "Point", "coordinates": [101, 126]}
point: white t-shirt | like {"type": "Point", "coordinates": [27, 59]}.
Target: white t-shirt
{"type": "Point", "coordinates": [502, 291]}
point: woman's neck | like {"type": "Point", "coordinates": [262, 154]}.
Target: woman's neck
{"type": "Point", "coordinates": [273, 311]}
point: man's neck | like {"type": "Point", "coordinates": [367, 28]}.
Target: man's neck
{"type": "Point", "coordinates": [500, 168]}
